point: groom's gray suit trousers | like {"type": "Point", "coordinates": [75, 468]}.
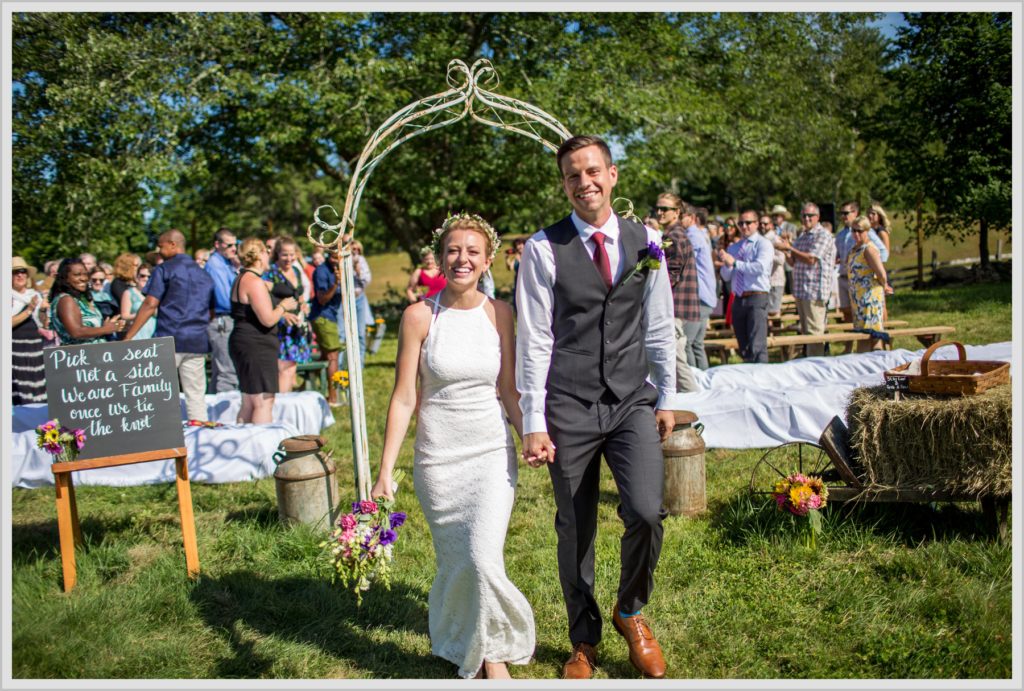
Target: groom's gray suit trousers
{"type": "Point", "coordinates": [625, 433]}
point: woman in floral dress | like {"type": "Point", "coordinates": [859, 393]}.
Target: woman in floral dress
{"type": "Point", "coordinates": [294, 333]}
{"type": "Point", "coordinates": [868, 285]}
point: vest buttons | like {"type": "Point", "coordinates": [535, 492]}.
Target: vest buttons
{"type": "Point", "coordinates": [607, 341]}
{"type": "Point", "coordinates": [608, 323]}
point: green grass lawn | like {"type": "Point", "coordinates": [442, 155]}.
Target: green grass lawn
{"type": "Point", "coordinates": [892, 591]}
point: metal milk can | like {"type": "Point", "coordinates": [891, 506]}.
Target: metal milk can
{"type": "Point", "coordinates": [307, 487]}
{"type": "Point", "coordinates": [685, 485]}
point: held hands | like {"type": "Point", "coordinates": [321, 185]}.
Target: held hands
{"type": "Point", "coordinates": [725, 258]}
{"type": "Point", "coordinates": [538, 449]}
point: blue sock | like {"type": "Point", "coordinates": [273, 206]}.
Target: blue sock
{"type": "Point", "coordinates": [624, 615]}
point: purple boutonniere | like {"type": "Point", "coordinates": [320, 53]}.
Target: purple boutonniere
{"type": "Point", "coordinates": [651, 259]}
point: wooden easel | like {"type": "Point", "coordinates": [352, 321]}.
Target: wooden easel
{"type": "Point", "coordinates": [67, 510]}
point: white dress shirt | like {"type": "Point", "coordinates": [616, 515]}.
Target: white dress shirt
{"type": "Point", "coordinates": [535, 304]}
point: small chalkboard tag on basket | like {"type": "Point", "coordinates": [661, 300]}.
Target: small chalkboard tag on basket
{"type": "Point", "coordinates": [894, 382]}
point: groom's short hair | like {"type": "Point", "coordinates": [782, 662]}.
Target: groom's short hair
{"type": "Point", "coordinates": [581, 142]}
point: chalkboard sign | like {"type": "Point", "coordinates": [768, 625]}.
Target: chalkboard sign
{"type": "Point", "coordinates": [124, 394]}
{"type": "Point", "coordinates": [894, 382]}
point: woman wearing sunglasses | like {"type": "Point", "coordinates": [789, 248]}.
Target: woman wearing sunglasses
{"type": "Point", "coordinates": [131, 301]}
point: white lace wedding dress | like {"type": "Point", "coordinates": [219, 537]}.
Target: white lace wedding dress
{"type": "Point", "coordinates": [465, 475]}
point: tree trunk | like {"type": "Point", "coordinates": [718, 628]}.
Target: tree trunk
{"type": "Point", "coordinates": [983, 243]}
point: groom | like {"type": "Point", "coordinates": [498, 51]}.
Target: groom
{"type": "Point", "coordinates": [591, 329]}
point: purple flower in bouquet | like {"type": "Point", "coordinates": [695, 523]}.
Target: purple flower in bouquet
{"type": "Point", "coordinates": [397, 519]}
{"type": "Point", "coordinates": [655, 252]}
{"type": "Point", "coordinates": [388, 537]}
{"type": "Point", "coordinates": [79, 438]}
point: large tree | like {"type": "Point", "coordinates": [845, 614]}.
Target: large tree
{"type": "Point", "coordinates": [950, 129]}
{"type": "Point", "coordinates": [126, 124]}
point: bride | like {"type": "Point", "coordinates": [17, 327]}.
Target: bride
{"type": "Point", "coordinates": [460, 344]}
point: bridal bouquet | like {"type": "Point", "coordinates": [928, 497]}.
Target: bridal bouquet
{"type": "Point", "coordinates": [802, 495]}
{"type": "Point", "coordinates": [62, 443]}
{"type": "Point", "coordinates": [360, 549]}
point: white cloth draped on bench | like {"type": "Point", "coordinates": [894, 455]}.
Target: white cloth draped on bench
{"type": "Point", "coordinates": [750, 406]}
{"type": "Point", "coordinates": [232, 453]}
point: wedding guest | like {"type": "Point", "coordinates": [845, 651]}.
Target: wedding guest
{"type": "Point", "coordinates": [427, 275]}
{"type": "Point", "coordinates": [89, 260]}
{"type": "Point", "coordinates": [868, 286]}
{"type": "Point", "coordinates": [103, 300]}
{"type": "Point", "coordinates": [126, 266]}
{"type": "Point", "coordinates": [364, 315]}
{"type": "Point", "coordinates": [812, 256]}
{"type": "Point", "coordinates": [254, 343]}
{"type": "Point", "coordinates": [131, 301]}
{"type": "Point", "coordinates": [180, 294]}
{"type": "Point", "coordinates": [73, 315]}
{"type": "Point", "coordinates": [323, 316]}
{"type": "Point", "coordinates": [882, 226]}
{"type": "Point", "coordinates": [458, 346]}
{"type": "Point", "coordinates": [747, 264]}
{"type": "Point", "coordinates": [201, 256]}
{"type": "Point", "coordinates": [108, 272]}
{"type": "Point", "coordinates": [222, 266]}
{"type": "Point", "coordinates": [293, 332]}
{"type": "Point", "coordinates": [778, 279]}
{"type": "Point", "coordinates": [28, 307]}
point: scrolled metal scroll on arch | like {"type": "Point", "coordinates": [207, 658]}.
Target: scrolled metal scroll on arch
{"type": "Point", "coordinates": [467, 95]}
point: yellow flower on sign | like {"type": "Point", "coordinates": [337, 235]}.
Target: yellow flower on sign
{"type": "Point", "coordinates": [341, 378]}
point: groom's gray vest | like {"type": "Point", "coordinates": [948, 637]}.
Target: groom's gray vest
{"type": "Point", "coordinates": [598, 334]}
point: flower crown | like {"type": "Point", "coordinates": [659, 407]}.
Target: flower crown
{"type": "Point", "coordinates": [453, 220]}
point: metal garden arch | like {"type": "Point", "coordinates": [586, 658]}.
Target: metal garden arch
{"type": "Point", "coordinates": [466, 96]}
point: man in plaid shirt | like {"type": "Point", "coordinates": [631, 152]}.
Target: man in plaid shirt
{"type": "Point", "coordinates": [682, 274]}
{"type": "Point", "coordinates": [812, 256]}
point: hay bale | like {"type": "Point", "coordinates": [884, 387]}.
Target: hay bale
{"type": "Point", "coordinates": [951, 443]}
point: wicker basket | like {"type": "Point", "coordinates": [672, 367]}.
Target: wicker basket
{"type": "Point", "coordinates": [949, 377]}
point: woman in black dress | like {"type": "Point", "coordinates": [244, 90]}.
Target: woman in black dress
{"type": "Point", "coordinates": [253, 343]}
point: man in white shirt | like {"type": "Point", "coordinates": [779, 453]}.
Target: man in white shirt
{"type": "Point", "coordinates": [595, 321]}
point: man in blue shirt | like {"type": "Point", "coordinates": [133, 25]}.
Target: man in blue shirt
{"type": "Point", "coordinates": [223, 268]}
{"type": "Point", "coordinates": [181, 295]}
{"type": "Point", "coordinates": [748, 264]}
{"type": "Point", "coordinates": [323, 315]}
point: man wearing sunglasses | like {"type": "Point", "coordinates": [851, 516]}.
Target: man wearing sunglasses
{"type": "Point", "coordinates": [222, 266]}
{"type": "Point", "coordinates": [748, 264]}
{"type": "Point", "coordinates": [812, 256]}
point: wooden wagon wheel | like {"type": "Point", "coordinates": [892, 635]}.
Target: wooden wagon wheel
{"type": "Point", "coordinates": [793, 457]}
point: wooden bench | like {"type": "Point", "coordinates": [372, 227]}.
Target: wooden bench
{"type": "Point", "coordinates": [791, 329]}
{"type": "Point", "coordinates": [790, 344]}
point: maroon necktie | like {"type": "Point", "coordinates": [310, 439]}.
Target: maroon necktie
{"type": "Point", "coordinates": [604, 267]}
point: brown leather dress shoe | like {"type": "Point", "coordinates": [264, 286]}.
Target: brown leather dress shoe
{"type": "Point", "coordinates": [581, 663]}
{"type": "Point", "coordinates": [644, 651]}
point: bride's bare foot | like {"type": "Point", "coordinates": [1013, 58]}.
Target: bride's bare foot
{"type": "Point", "coordinates": [496, 670]}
